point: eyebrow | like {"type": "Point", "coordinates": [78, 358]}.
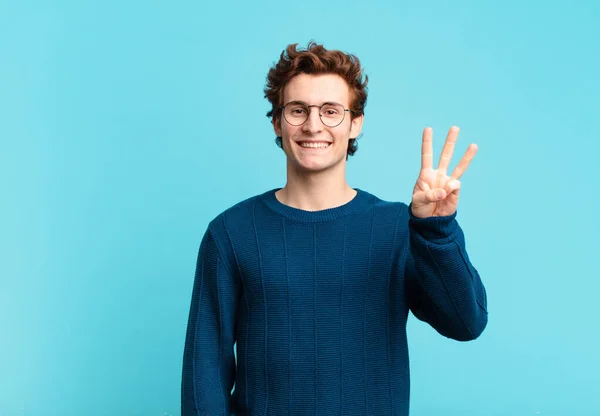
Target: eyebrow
{"type": "Point", "coordinates": [305, 103]}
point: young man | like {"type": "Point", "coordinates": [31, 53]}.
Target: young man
{"type": "Point", "coordinates": [314, 281]}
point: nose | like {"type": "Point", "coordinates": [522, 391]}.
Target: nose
{"type": "Point", "coordinates": [313, 124]}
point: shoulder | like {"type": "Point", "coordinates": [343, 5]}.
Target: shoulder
{"type": "Point", "coordinates": [234, 222]}
{"type": "Point", "coordinates": [387, 206]}
{"type": "Point", "coordinates": [389, 221]}
{"type": "Point", "coordinates": [240, 211]}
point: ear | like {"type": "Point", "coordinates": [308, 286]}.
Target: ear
{"type": "Point", "coordinates": [356, 126]}
{"type": "Point", "coordinates": [276, 122]}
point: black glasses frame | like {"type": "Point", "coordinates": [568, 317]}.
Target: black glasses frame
{"type": "Point", "coordinates": [282, 108]}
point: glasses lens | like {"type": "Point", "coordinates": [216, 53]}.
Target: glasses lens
{"type": "Point", "coordinates": [296, 113]}
{"type": "Point", "coordinates": [332, 114]}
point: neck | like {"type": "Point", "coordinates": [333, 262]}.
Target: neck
{"type": "Point", "coordinates": [315, 192]}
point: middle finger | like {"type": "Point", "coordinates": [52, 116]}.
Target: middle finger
{"type": "Point", "coordinates": [448, 149]}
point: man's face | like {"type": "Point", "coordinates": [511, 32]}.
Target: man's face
{"type": "Point", "coordinates": [316, 90]}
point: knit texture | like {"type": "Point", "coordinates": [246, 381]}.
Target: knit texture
{"type": "Point", "coordinates": [316, 303]}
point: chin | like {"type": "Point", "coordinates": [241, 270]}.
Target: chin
{"type": "Point", "coordinates": [317, 165]}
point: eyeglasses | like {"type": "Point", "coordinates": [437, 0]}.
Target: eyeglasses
{"type": "Point", "coordinates": [331, 114]}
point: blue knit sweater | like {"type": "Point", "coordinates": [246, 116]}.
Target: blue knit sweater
{"type": "Point", "coordinates": [317, 304]}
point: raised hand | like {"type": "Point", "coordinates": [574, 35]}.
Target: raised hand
{"type": "Point", "coordinates": [435, 193]}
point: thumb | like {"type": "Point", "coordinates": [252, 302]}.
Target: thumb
{"type": "Point", "coordinates": [433, 195]}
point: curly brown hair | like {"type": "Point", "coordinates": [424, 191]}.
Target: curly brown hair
{"type": "Point", "coordinates": [315, 59]}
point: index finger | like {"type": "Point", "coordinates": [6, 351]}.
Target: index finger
{"type": "Point", "coordinates": [427, 149]}
{"type": "Point", "coordinates": [465, 161]}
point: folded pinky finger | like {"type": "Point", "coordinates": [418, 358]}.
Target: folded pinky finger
{"type": "Point", "coordinates": [452, 186]}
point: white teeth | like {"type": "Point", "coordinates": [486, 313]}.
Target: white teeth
{"type": "Point", "coordinates": [315, 145]}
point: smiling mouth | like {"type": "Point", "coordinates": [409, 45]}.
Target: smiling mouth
{"type": "Point", "coordinates": [314, 145]}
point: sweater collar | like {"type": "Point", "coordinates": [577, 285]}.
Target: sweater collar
{"type": "Point", "coordinates": [359, 203]}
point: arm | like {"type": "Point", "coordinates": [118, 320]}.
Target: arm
{"type": "Point", "coordinates": [208, 359]}
{"type": "Point", "coordinates": [442, 286]}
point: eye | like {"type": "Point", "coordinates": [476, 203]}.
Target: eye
{"type": "Point", "coordinates": [298, 111]}
{"type": "Point", "coordinates": [330, 110]}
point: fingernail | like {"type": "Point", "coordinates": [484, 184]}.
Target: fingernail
{"type": "Point", "coordinates": [440, 194]}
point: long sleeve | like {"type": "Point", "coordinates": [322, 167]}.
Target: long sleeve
{"type": "Point", "coordinates": [443, 288]}
{"type": "Point", "coordinates": [208, 361]}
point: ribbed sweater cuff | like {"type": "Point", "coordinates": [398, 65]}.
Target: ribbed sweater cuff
{"type": "Point", "coordinates": [434, 229]}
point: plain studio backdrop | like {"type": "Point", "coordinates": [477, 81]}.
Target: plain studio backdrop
{"type": "Point", "coordinates": [125, 127]}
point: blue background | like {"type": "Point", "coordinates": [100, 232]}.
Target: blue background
{"type": "Point", "coordinates": [126, 126]}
